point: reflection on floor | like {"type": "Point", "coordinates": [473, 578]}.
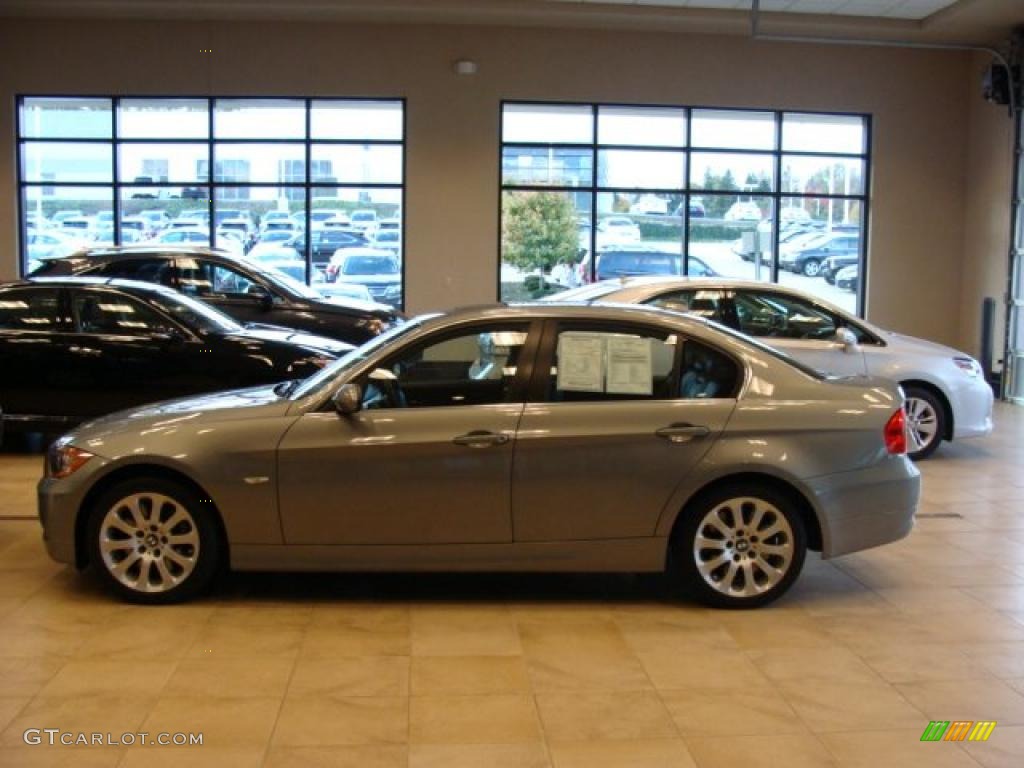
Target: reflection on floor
{"type": "Point", "coordinates": [378, 671]}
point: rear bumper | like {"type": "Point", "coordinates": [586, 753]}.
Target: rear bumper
{"type": "Point", "coordinates": [868, 507]}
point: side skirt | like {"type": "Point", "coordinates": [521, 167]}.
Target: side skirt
{"type": "Point", "coordinates": [621, 555]}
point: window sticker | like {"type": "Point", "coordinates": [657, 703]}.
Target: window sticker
{"type": "Point", "coordinates": [581, 362]}
{"type": "Point", "coordinates": [629, 368]}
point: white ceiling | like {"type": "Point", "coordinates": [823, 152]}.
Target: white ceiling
{"type": "Point", "coordinates": [888, 9]}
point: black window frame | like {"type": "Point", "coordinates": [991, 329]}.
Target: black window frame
{"type": "Point", "coordinates": [117, 186]}
{"type": "Point", "coordinates": [778, 196]}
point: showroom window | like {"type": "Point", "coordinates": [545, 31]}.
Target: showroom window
{"type": "Point", "coordinates": [771, 196]}
{"type": "Point", "coordinates": [122, 170]}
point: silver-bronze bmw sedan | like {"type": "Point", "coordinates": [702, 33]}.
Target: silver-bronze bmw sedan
{"type": "Point", "coordinates": [538, 437]}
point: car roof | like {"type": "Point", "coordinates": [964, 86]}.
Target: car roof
{"type": "Point", "coordinates": [129, 286]}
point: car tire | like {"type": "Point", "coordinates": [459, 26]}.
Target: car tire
{"type": "Point", "coordinates": [811, 268]}
{"type": "Point", "coordinates": [926, 421]}
{"type": "Point", "coordinates": [165, 533]}
{"type": "Point", "coordinates": [723, 562]}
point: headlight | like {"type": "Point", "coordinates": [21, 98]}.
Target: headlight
{"type": "Point", "coordinates": [63, 459]}
{"type": "Point", "coordinates": [968, 365]}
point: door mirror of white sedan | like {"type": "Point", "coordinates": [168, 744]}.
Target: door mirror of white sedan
{"type": "Point", "coordinates": [348, 399]}
{"type": "Point", "coordinates": [848, 339]}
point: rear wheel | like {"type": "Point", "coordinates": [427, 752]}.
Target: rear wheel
{"type": "Point", "coordinates": [811, 268]}
{"type": "Point", "coordinates": [926, 422]}
{"type": "Point", "coordinates": [151, 541]}
{"type": "Point", "coordinates": [740, 546]}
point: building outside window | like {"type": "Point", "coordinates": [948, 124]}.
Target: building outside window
{"type": "Point", "coordinates": [761, 195]}
{"type": "Point", "coordinates": [101, 171]}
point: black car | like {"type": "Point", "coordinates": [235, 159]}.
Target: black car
{"type": "Point", "coordinates": [830, 267]}
{"type": "Point", "coordinates": [324, 242]}
{"type": "Point", "coordinates": [73, 349]}
{"type": "Point", "coordinates": [241, 288]}
{"type": "Point", "coordinates": [637, 260]}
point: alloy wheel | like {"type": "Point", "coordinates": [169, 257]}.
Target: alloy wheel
{"type": "Point", "coordinates": [922, 423]}
{"type": "Point", "coordinates": [149, 542]}
{"type": "Point", "coordinates": [744, 547]}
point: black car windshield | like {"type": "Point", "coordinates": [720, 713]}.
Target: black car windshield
{"type": "Point", "coordinates": [198, 317]}
{"type": "Point", "coordinates": [324, 377]}
{"type": "Point", "coordinates": [370, 265]}
{"type": "Point", "coordinates": [285, 282]}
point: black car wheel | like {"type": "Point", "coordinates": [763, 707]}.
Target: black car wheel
{"type": "Point", "coordinates": [153, 541]}
{"type": "Point", "coordinates": [740, 546]}
{"type": "Point", "coordinates": [811, 268]}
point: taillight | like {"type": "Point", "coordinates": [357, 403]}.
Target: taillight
{"type": "Point", "coordinates": [896, 433]}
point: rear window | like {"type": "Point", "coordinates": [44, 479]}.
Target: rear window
{"type": "Point", "coordinates": [369, 265]}
{"type": "Point", "coordinates": [641, 263]}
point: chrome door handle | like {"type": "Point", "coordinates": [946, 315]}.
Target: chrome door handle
{"type": "Point", "coordinates": [481, 439]}
{"type": "Point", "coordinates": [682, 433]}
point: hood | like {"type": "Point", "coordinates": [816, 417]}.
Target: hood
{"type": "Point", "coordinates": [349, 305]}
{"type": "Point", "coordinates": [370, 279]}
{"type": "Point", "coordinates": [914, 344]}
{"type": "Point", "coordinates": [291, 337]}
{"type": "Point", "coordinates": [169, 416]}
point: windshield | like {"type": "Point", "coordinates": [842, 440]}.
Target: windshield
{"type": "Point", "coordinates": [284, 281]}
{"type": "Point", "coordinates": [370, 265]}
{"type": "Point", "coordinates": [195, 315]}
{"type": "Point", "coordinates": [323, 378]}
{"type": "Point", "coordinates": [586, 292]}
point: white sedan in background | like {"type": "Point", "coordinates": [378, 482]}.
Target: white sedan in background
{"type": "Point", "coordinates": [947, 396]}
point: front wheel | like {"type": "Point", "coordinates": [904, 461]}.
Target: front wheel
{"type": "Point", "coordinates": [811, 268]}
{"type": "Point", "coordinates": [152, 541]}
{"type": "Point", "coordinates": [926, 422]}
{"type": "Point", "coordinates": [741, 546]}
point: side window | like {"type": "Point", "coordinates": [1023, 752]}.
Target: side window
{"type": "Point", "coordinates": [109, 313]}
{"type": "Point", "coordinates": [777, 315]}
{"type": "Point", "coordinates": [475, 367]}
{"type": "Point", "coordinates": [707, 373]}
{"type": "Point", "coordinates": [146, 270]}
{"type": "Point", "coordinates": [230, 282]}
{"type": "Point", "coordinates": [593, 363]}
{"type": "Point", "coordinates": [30, 309]}
{"type": "Point", "coordinates": [709, 304]}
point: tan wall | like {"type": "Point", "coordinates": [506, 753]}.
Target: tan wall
{"type": "Point", "coordinates": [918, 100]}
{"type": "Point", "coordinates": [987, 224]}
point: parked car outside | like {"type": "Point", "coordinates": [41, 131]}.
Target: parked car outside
{"type": "Point", "coordinates": [947, 396]}
{"type": "Point", "coordinates": [73, 349]}
{"type": "Point", "coordinates": [831, 266]}
{"type": "Point", "coordinates": [387, 240]}
{"type": "Point", "coordinates": [364, 220]}
{"type": "Point", "coordinates": [243, 289]}
{"type": "Point", "coordinates": [570, 438]}
{"type": "Point", "coordinates": [617, 229]}
{"type": "Point", "coordinates": [632, 260]}
{"type": "Point", "coordinates": [743, 211]}
{"type": "Point", "coordinates": [848, 278]}
{"type": "Point", "coordinates": [807, 260]}
{"type": "Point", "coordinates": [375, 268]}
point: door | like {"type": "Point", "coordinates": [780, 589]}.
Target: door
{"type": "Point", "coordinates": [1013, 386]}
{"type": "Point", "coordinates": [125, 353]}
{"type": "Point", "coordinates": [226, 288]}
{"type": "Point", "coordinates": [429, 458]}
{"type": "Point", "coordinates": [618, 417]}
{"type": "Point", "coordinates": [798, 327]}
{"type": "Point", "coordinates": [33, 352]}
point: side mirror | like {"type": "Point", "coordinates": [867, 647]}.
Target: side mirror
{"type": "Point", "coordinates": [848, 339]}
{"type": "Point", "coordinates": [169, 336]}
{"type": "Point", "coordinates": [348, 399]}
{"type": "Point", "coordinates": [261, 296]}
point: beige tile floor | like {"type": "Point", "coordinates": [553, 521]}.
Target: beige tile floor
{"type": "Point", "coordinates": [566, 672]}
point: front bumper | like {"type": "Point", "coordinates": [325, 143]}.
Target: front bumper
{"type": "Point", "coordinates": [972, 409]}
{"type": "Point", "coordinates": [868, 507]}
{"type": "Point", "coordinates": [59, 502]}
